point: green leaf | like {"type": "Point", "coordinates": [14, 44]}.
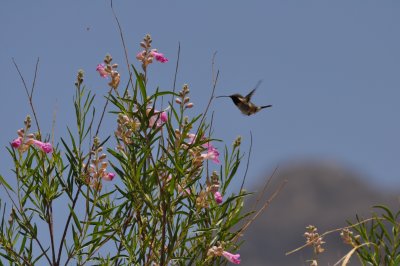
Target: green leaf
{"type": "Point", "coordinates": [4, 183]}
{"type": "Point", "coordinates": [142, 86]}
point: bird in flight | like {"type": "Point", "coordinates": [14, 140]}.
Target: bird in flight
{"type": "Point", "coordinates": [244, 103]}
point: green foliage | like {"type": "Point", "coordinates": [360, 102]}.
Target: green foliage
{"type": "Point", "coordinates": [378, 240]}
{"type": "Point", "coordinates": [159, 210]}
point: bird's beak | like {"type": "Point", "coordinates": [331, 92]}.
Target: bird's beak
{"type": "Point", "coordinates": [222, 96]}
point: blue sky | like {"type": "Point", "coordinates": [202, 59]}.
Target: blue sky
{"type": "Point", "coordinates": [330, 69]}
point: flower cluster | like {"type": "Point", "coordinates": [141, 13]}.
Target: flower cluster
{"type": "Point", "coordinates": [24, 141]}
{"type": "Point", "coordinates": [202, 200]}
{"type": "Point", "coordinates": [217, 251]}
{"type": "Point", "coordinates": [97, 170]}
{"type": "Point", "coordinates": [126, 125]}
{"type": "Point", "coordinates": [183, 99]}
{"type": "Point", "coordinates": [147, 55]}
{"type": "Point", "coordinates": [313, 238]}
{"type": "Point", "coordinates": [349, 238]}
{"type": "Point", "coordinates": [158, 118]}
{"type": "Point", "coordinates": [107, 69]}
{"type": "Point", "coordinates": [210, 153]}
{"type": "Point", "coordinates": [125, 128]}
{"type": "Point", "coordinates": [213, 187]}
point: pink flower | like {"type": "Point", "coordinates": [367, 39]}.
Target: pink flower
{"type": "Point", "coordinates": [212, 153]}
{"type": "Point", "coordinates": [140, 55]}
{"type": "Point", "coordinates": [102, 70]}
{"type": "Point", "coordinates": [192, 138]}
{"type": "Point", "coordinates": [109, 176]}
{"type": "Point", "coordinates": [234, 258]}
{"type": "Point", "coordinates": [159, 57]}
{"type": "Point", "coordinates": [164, 117]}
{"type": "Point", "coordinates": [218, 197]}
{"type": "Point", "coordinates": [158, 118]}
{"type": "Point", "coordinates": [44, 146]}
{"type": "Point", "coordinates": [16, 142]}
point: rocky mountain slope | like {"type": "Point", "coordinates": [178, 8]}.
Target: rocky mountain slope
{"type": "Point", "coordinates": [321, 194]}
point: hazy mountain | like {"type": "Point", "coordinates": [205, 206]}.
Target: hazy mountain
{"type": "Point", "coordinates": [320, 194]}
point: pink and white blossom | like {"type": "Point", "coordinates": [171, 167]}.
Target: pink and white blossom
{"type": "Point", "coordinates": [101, 68]}
{"type": "Point", "coordinates": [140, 55]}
{"type": "Point", "coordinates": [16, 142]}
{"type": "Point", "coordinates": [158, 118]}
{"type": "Point", "coordinates": [108, 176]}
{"type": "Point", "coordinates": [159, 56]}
{"type": "Point", "coordinates": [218, 197]}
{"type": "Point", "coordinates": [211, 154]}
{"type": "Point", "coordinates": [44, 146]}
{"type": "Point", "coordinates": [234, 258]}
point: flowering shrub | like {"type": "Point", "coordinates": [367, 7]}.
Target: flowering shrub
{"type": "Point", "coordinates": [154, 194]}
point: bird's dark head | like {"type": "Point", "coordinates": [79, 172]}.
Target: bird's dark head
{"type": "Point", "coordinates": [236, 98]}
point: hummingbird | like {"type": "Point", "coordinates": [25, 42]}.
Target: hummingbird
{"type": "Point", "coordinates": [244, 104]}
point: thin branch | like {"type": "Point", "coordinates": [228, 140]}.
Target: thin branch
{"type": "Point", "coordinates": [67, 224]}
{"type": "Point", "coordinates": [22, 78]}
{"type": "Point", "coordinates": [266, 205]}
{"type": "Point", "coordinates": [332, 231]}
{"type": "Point", "coordinates": [123, 43]}
{"type": "Point", "coordinates": [214, 85]}
{"type": "Point", "coordinates": [53, 124]}
{"type": "Point", "coordinates": [209, 101]}
{"type": "Point", "coordinates": [102, 114]}
{"type": "Point", "coordinates": [209, 135]}
{"type": "Point", "coordinates": [34, 78]}
{"type": "Point", "coordinates": [213, 80]}
{"type": "Point", "coordinates": [176, 75]}
{"type": "Point", "coordinates": [265, 187]}
{"type": "Point", "coordinates": [248, 161]}
{"type": "Point", "coordinates": [176, 67]}
{"type": "Point", "coordinates": [50, 225]}
{"type": "Point", "coordinates": [29, 95]}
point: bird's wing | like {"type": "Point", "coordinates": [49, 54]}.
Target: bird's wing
{"type": "Point", "coordinates": [248, 96]}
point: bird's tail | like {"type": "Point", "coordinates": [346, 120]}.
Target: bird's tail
{"type": "Point", "coordinates": [265, 106]}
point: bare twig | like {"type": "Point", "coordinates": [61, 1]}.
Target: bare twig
{"type": "Point", "coordinates": [214, 85]}
{"type": "Point", "coordinates": [50, 225]}
{"type": "Point", "coordinates": [53, 124]}
{"type": "Point", "coordinates": [213, 78]}
{"type": "Point", "coordinates": [266, 205]}
{"type": "Point", "coordinates": [176, 69]}
{"type": "Point", "coordinates": [209, 135]}
{"type": "Point", "coordinates": [260, 195]}
{"type": "Point", "coordinates": [102, 113]}
{"type": "Point", "coordinates": [332, 231]}
{"type": "Point", "coordinates": [34, 78]}
{"type": "Point", "coordinates": [123, 44]}
{"type": "Point", "coordinates": [30, 95]}
{"type": "Point", "coordinates": [248, 161]}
